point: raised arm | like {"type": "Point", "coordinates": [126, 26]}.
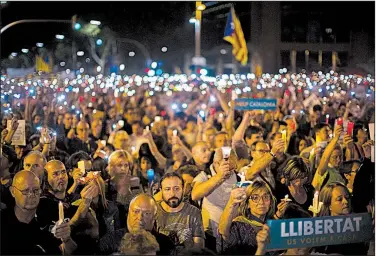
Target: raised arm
{"type": "Point", "coordinates": [239, 133]}
{"type": "Point", "coordinates": [321, 169]}
{"type": "Point", "coordinates": [260, 164]}
{"type": "Point", "coordinates": [203, 188]}
{"type": "Point", "coordinates": [222, 102]}
{"type": "Point", "coordinates": [231, 211]}
{"type": "Point", "coordinates": [154, 150]}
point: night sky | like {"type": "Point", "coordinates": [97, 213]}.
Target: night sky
{"type": "Point", "coordinates": [157, 24]}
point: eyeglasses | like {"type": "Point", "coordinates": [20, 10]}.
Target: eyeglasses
{"type": "Point", "coordinates": [256, 198]}
{"type": "Point", "coordinates": [262, 151]}
{"type": "Point", "coordinates": [35, 192]}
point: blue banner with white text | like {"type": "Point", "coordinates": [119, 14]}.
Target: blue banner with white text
{"type": "Point", "coordinates": [320, 231]}
{"type": "Point", "coordinates": [255, 104]}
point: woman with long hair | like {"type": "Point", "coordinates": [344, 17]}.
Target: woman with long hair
{"type": "Point", "coordinates": [336, 201]}
{"type": "Point", "coordinates": [258, 206]}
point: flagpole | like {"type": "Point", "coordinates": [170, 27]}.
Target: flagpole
{"type": "Point", "coordinates": [198, 30]}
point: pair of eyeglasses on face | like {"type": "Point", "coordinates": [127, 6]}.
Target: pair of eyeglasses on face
{"type": "Point", "coordinates": [264, 151]}
{"type": "Point", "coordinates": [257, 198]}
{"type": "Point", "coordinates": [35, 192]}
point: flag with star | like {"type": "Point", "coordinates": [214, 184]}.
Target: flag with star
{"type": "Point", "coordinates": [43, 64]}
{"type": "Point", "coordinates": [234, 35]}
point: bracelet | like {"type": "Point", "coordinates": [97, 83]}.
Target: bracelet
{"type": "Point", "coordinates": [272, 154]}
{"type": "Point", "coordinates": [276, 216]}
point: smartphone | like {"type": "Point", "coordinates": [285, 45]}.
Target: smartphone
{"type": "Point", "coordinates": [103, 142]}
{"type": "Point", "coordinates": [340, 121]}
{"type": "Point", "coordinates": [81, 166]}
{"type": "Point", "coordinates": [350, 128]}
{"type": "Point", "coordinates": [121, 123]}
{"type": "Point", "coordinates": [243, 184]}
{"type": "Point", "coordinates": [157, 119]}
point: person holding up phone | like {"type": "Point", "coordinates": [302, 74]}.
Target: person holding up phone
{"type": "Point", "coordinates": [215, 190]}
{"type": "Point", "coordinates": [328, 168]}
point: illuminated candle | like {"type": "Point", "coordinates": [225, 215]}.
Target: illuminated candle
{"type": "Point", "coordinates": [175, 132]}
{"type": "Point", "coordinates": [284, 137]}
{"type": "Point", "coordinates": [61, 212]}
{"type": "Point", "coordinates": [327, 119]}
{"type": "Point", "coordinates": [316, 202]}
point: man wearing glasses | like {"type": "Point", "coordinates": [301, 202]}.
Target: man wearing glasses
{"type": "Point", "coordinates": [81, 141]}
{"type": "Point", "coordinates": [262, 157]}
{"type": "Point", "coordinates": [20, 228]}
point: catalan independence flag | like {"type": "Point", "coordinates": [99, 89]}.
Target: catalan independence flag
{"type": "Point", "coordinates": [234, 35]}
{"type": "Point", "coordinates": [43, 64]}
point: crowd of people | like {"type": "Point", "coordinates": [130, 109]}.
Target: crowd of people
{"type": "Point", "coordinates": [167, 165]}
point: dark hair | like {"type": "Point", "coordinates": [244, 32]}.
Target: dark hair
{"type": "Point", "coordinates": [282, 123]}
{"type": "Point", "coordinates": [254, 144]}
{"type": "Point", "coordinates": [317, 108]}
{"type": "Point", "coordinates": [180, 115]}
{"type": "Point", "coordinates": [357, 127]}
{"type": "Point", "coordinates": [34, 140]}
{"type": "Point", "coordinates": [75, 158]}
{"type": "Point", "coordinates": [293, 148]}
{"type": "Point", "coordinates": [294, 211]}
{"type": "Point", "coordinates": [319, 126]}
{"type": "Point", "coordinates": [100, 165]}
{"type": "Point", "coordinates": [252, 130]}
{"type": "Point", "coordinates": [137, 122]}
{"type": "Point", "coordinates": [171, 175]}
{"type": "Point", "coordinates": [293, 168]}
{"type": "Point", "coordinates": [188, 169]}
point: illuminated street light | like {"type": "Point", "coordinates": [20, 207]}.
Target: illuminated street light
{"type": "Point", "coordinates": [60, 37]}
{"type": "Point", "coordinates": [131, 54]}
{"type": "Point", "coordinates": [223, 51]}
{"type": "Point", "coordinates": [99, 69]}
{"type": "Point", "coordinates": [40, 45]}
{"type": "Point", "coordinates": [192, 20]}
{"type": "Point", "coordinates": [80, 53]}
{"type": "Point", "coordinates": [154, 65]}
{"type": "Point", "coordinates": [95, 22]}
{"type": "Point", "coordinates": [122, 67]}
{"type": "Point", "coordinates": [164, 49]}
{"type": "Point", "coordinates": [25, 50]}
{"type": "Point", "coordinates": [62, 63]}
{"type": "Point", "coordinates": [14, 54]}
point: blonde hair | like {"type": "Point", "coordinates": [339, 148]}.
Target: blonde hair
{"type": "Point", "coordinates": [141, 242]}
{"type": "Point", "coordinates": [118, 156]}
{"type": "Point", "coordinates": [256, 185]}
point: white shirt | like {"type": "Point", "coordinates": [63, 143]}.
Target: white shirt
{"type": "Point", "coordinates": [214, 204]}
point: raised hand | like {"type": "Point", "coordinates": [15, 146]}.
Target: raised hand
{"type": "Point", "coordinates": [367, 148]}
{"type": "Point", "coordinates": [237, 196]}
{"type": "Point", "coordinates": [278, 146]}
